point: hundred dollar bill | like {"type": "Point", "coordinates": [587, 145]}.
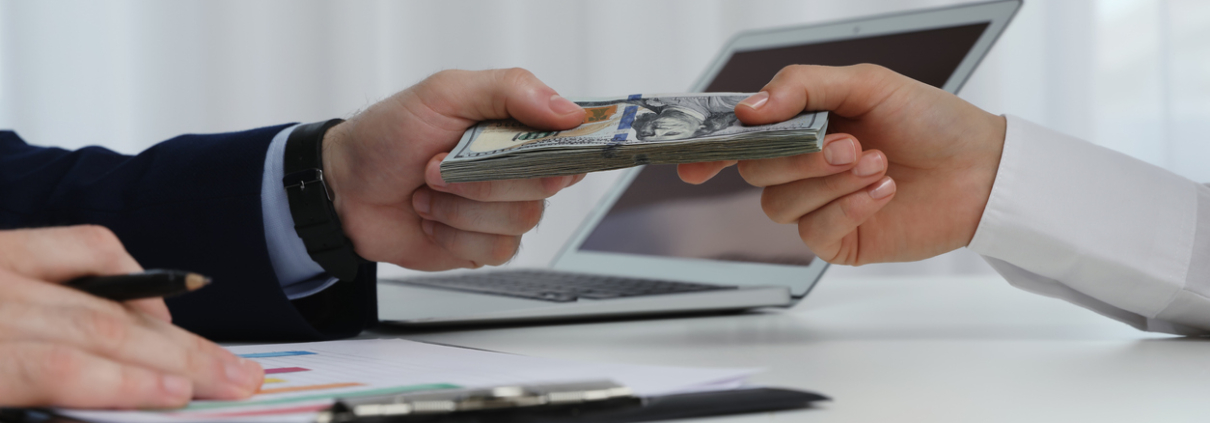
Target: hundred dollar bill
{"type": "Point", "coordinates": [630, 131]}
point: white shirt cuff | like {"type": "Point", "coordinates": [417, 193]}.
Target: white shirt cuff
{"type": "Point", "coordinates": [298, 274]}
{"type": "Point", "coordinates": [1073, 220]}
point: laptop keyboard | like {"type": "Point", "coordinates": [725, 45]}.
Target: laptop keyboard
{"type": "Point", "coordinates": [557, 286]}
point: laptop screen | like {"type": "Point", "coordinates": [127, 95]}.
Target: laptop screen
{"type": "Point", "coordinates": [658, 215]}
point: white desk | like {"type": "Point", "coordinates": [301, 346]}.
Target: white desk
{"type": "Point", "coordinates": [918, 349]}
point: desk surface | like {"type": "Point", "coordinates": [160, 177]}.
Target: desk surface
{"type": "Point", "coordinates": [937, 349]}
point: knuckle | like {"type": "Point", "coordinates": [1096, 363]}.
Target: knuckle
{"type": "Point", "coordinates": [867, 67]}
{"type": "Point", "coordinates": [11, 243]}
{"type": "Point", "coordinates": [750, 172]}
{"type": "Point", "coordinates": [464, 217]}
{"type": "Point", "coordinates": [794, 70]}
{"type": "Point", "coordinates": [444, 75]}
{"type": "Point", "coordinates": [478, 190]}
{"type": "Point", "coordinates": [504, 249]}
{"type": "Point", "coordinates": [201, 345]}
{"type": "Point", "coordinates": [807, 165]}
{"type": "Point", "coordinates": [527, 214]}
{"type": "Point", "coordinates": [104, 246]}
{"type": "Point", "coordinates": [871, 70]}
{"type": "Point", "coordinates": [26, 379]}
{"type": "Point", "coordinates": [815, 242]}
{"type": "Point", "coordinates": [107, 331]}
{"type": "Point", "coordinates": [771, 204]}
{"type": "Point", "coordinates": [518, 75]}
{"type": "Point", "coordinates": [443, 237]}
{"type": "Point", "coordinates": [197, 343]}
{"type": "Point", "coordinates": [805, 233]}
{"type": "Point", "coordinates": [850, 209]}
{"type": "Point", "coordinates": [848, 253]}
{"type": "Point", "coordinates": [442, 207]}
{"type": "Point", "coordinates": [56, 366]}
{"type": "Point", "coordinates": [130, 383]}
{"type": "Point", "coordinates": [196, 361]}
{"type": "Point", "coordinates": [113, 308]}
{"type": "Point", "coordinates": [453, 211]}
{"type": "Point", "coordinates": [551, 186]}
{"type": "Point", "coordinates": [96, 237]}
{"type": "Point", "coordinates": [835, 183]}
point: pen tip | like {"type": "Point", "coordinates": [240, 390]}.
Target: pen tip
{"type": "Point", "coordinates": [194, 281]}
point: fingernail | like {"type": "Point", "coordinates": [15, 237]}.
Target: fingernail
{"type": "Point", "coordinates": [252, 366]}
{"type": "Point", "coordinates": [422, 202]}
{"type": "Point", "coordinates": [427, 227]}
{"type": "Point", "coordinates": [174, 386]}
{"type": "Point", "coordinates": [756, 101]}
{"type": "Point", "coordinates": [869, 165]}
{"type": "Point", "coordinates": [236, 373]}
{"type": "Point", "coordinates": [884, 188]}
{"type": "Point", "coordinates": [563, 106]}
{"type": "Point", "coordinates": [253, 369]}
{"type": "Point", "coordinates": [840, 152]}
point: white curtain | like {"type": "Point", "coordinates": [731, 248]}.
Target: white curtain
{"type": "Point", "coordinates": [1128, 74]}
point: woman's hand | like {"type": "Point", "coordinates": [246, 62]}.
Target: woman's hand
{"type": "Point", "coordinates": [939, 154]}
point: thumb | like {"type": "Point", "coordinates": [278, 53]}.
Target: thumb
{"type": "Point", "coordinates": [498, 94]}
{"type": "Point", "coordinates": [849, 91]}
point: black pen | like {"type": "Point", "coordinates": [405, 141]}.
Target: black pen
{"type": "Point", "coordinates": [147, 284]}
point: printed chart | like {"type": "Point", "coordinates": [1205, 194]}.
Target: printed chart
{"type": "Point", "coordinates": [307, 381]}
{"type": "Point", "coordinates": [302, 379]}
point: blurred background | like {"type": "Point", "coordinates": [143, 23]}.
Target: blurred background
{"type": "Point", "coordinates": [1132, 75]}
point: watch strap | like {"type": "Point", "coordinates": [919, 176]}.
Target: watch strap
{"type": "Point", "coordinates": [311, 206]}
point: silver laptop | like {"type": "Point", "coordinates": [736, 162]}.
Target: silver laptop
{"type": "Point", "coordinates": [658, 246]}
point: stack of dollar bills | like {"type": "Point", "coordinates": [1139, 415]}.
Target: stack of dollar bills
{"type": "Point", "coordinates": [631, 131]}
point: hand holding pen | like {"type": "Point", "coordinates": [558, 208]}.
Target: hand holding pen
{"type": "Point", "coordinates": [64, 347]}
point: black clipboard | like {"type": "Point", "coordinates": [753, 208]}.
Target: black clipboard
{"type": "Point", "coordinates": [581, 402]}
{"type": "Point", "coordinates": [618, 409]}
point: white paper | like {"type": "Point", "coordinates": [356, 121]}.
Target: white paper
{"type": "Point", "coordinates": [393, 365]}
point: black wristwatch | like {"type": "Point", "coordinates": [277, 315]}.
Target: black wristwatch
{"type": "Point", "coordinates": [315, 218]}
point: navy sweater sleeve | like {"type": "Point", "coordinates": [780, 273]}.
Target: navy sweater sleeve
{"type": "Point", "coordinates": [190, 203]}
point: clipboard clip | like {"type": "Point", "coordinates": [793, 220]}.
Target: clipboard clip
{"type": "Point", "coordinates": [400, 407]}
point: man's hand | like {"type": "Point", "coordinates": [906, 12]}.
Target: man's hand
{"type": "Point", "coordinates": [62, 347]}
{"type": "Point", "coordinates": [383, 167]}
{"type": "Point", "coordinates": [938, 152]}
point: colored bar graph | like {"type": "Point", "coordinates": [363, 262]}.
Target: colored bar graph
{"type": "Point", "coordinates": [274, 380]}
{"type": "Point", "coordinates": [272, 412]}
{"type": "Point", "coordinates": [276, 354]}
{"type": "Point", "coordinates": [392, 390]}
{"type": "Point", "coordinates": [285, 370]}
{"type": "Point", "coordinates": [308, 388]}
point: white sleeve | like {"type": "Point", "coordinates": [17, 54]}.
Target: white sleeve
{"type": "Point", "coordinates": [1075, 221]}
